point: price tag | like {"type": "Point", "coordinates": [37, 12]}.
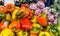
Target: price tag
{"type": "Point", "coordinates": [8, 2]}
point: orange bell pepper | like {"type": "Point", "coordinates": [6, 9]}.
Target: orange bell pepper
{"type": "Point", "coordinates": [42, 20]}
{"type": "Point", "coordinates": [15, 24]}
{"type": "Point", "coordinates": [10, 7]}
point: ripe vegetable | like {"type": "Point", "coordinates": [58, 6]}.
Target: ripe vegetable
{"type": "Point", "coordinates": [7, 32]}
{"type": "Point", "coordinates": [4, 24]}
{"type": "Point", "coordinates": [38, 11]}
{"type": "Point", "coordinates": [47, 10]}
{"type": "Point", "coordinates": [8, 17]}
{"type": "Point", "coordinates": [53, 29]}
{"type": "Point", "coordinates": [10, 7]}
{"type": "Point", "coordinates": [3, 8]}
{"type": "Point", "coordinates": [33, 6]}
{"type": "Point", "coordinates": [2, 16]}
{"type": "Point", "coordinates": [36, 28]}
{"type": "Point", "coordinates": [51, 17]}
{"type": "Point", "coordinates": [24, 5]}
{"type": "Point", "coordinates": [30, 13]}
{"type": "Point", "coordinates": [42, 20]}
{"type": "Point", "coordinates": [33, 34]}
{"type": "Point", "coordinates": [22, 33]}
{"type": "Point", "coordinates": [26, 24]}
{"type": "Point", "coordinates": [34, 20]}
{"type": "Point", "coordinates": [24, 12]}
{"type": "Point", "coordinates": [42, 33]}
{"type": "Point", "coordinates": [14, 25]}
{"type": "Point", "coordinates": [14, 14]}
{"type": "Point", "coordinates": [40, 4]}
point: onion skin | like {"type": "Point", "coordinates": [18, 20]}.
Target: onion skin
{"type": "Point", "coordinates": [40, 4]}
{"type": "Point", "coordinates": [33, 6]}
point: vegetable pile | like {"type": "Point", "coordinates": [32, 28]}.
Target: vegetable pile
{"type": "Point", "coordinates": [33, 19]}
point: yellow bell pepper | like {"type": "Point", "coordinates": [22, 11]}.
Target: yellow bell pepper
{"type": "Point", "coordinates": [14, 14]}
{"type": "Point", "coordinates": [42, 33]}
{"type": "Point", "coordinates": [34, 19]}
{"type": "Point", "coordinates": [21, 33]}
{"type": "Point", "coordinates": [36, 28]}
{"type": "Point", "coordinates": [7, 32]}
{"type": "Point", "coordinates": [8, 16]}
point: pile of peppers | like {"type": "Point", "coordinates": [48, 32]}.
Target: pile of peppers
{"type": "Point", "coordinates": [21, 21]}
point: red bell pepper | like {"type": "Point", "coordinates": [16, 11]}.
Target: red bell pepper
{"type": "Point", "coordinates": [3, 24]}
{"type": "Point", "coordinates": [15, 24]}
{"type": "Point", "coordinates": [26, 24]}
{"type": "Point", "coordinates": [3, 8]}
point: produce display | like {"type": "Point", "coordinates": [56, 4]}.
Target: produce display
{"type": "Point", "coordinates": [30, 18]}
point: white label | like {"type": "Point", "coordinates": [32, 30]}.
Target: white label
{"type": "Point", "coordinates": [8, 2]}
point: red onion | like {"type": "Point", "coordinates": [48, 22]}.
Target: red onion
{"type": "Point", "coordinates": [49, 23]}
{"type": "Point", "coordinates": [38, 11]}
{"type": "Point", "coordinates": [33, 6]}
{"type": "Point", "coordinates": [51, 17]}
{"type": "Point", "coordinates": [56, 15]}
{"type": "Point", "coordinates": [55, 21]}
{"type": "Point", "coordinates": [47, 10]}
{"type": "Point", "coordinates": [40, 4]}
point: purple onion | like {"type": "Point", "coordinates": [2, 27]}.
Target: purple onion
{"type": "Point", "coordinates": [51, 17]}
{"type": "Point", "coordinates": [33, 6]}
{"type": "Point", "coordinates": [40, 4]}
{"type": "Point", "coordinates": [56, 15]}
{"type": "Point", "coordinates": [38, 11]}
{"type": "Point", "coordinates": [49, 23]}
{"type": "Point", "coordinates": [55, 21]}
{"type": "Point", "coordinates": [47, 10]}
